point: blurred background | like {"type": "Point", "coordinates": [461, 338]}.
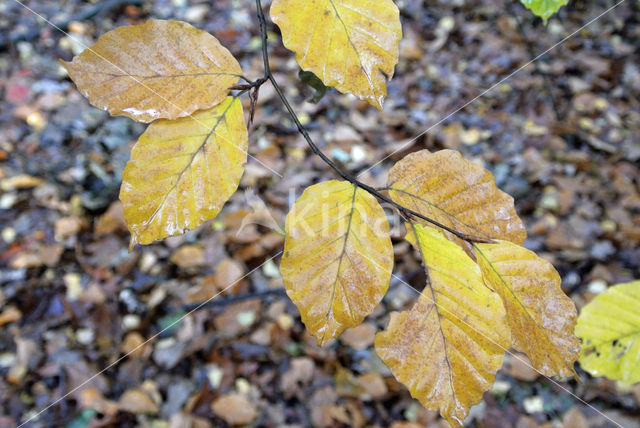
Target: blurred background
{"type": "Point", "coordinates": [562, 136]}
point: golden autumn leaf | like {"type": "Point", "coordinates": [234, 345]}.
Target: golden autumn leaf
{"type": "Point", "coordinates": [351, 45]}
{"type": "Point", "coordinates": [609, 327]}
{"type": "Point", "coordinates": [157, 70]}
{"type": "Point", "coordinates": [449, 346]}
{"type": "Point", "coordinates": [540, 315]}
{"type": "Point", "coordinates": [337, 258]}
{"type": "Point", "coordinates": [182, 171]}
{"type": "Point", "coordinates": [457, 193]}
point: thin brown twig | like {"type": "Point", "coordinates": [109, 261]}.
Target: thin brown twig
{"type": "Point", "coordinates": [348, 177]}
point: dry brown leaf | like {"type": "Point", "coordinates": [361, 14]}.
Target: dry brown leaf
{"type": "Point", "coordinates": [337, 258]}
{"type": "Point", "coordinates": [137, 401]}
{"type": "Point", "coordinates": [540, 315]}
{"type": "Point", "coordinates": [142, 71]}
{"type": "Point", "coordinates": [235, 409]}
{"type": "Point", "coordinates": [447, 349]}
{"type": "Point", "coordinates": [457, 193]}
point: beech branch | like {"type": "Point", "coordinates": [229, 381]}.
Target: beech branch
{"type": "Point", "coordinates": [346, 176]}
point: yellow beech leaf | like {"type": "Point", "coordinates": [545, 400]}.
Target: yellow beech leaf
{"type": "Point", "coordinates": [457, 193]}
{"type": "Point", "coordinates": [609, 327]}
{"type": "Point", "coordinates": [337, 258]}
{"type": "Point", "coordinates": [351, 45]}
{"type": "Point", "coordinates": [449, 346]}
{"type": "Point", "coordinates": [182, 171]}
{"type": "Point", "coordinates": [160, 69]}
{"type": "Point", "coordinates": [540, 315]}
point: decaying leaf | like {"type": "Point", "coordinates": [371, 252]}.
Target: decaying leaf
{"type": "Point", "coordinates": [609, 327]}
{"type": "Point", "coordinates": [449, 346]}
{"type": "Point", "coordinates": [337, 257]}
{"type": "Point", "coordinates": [540, 315]}
{"type": "Point", "coordinates": [544, 8]}
{"type": "Point", "coordinates": [181, 172]}
{"type": "Point", "coordinates": [351, 45]}
{"type": "Point", "coordinates": [457, 193]}
{"type": "Point", "coordinates": [157, 70]}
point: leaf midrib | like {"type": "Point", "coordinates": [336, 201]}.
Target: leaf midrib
{"type": "Point", "coordinates": [187, 166]}
{"type": "Point", "coordinates": [341, 257]}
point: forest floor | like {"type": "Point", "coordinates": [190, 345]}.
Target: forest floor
{"type": "Point", "coordinates": [562, 135]}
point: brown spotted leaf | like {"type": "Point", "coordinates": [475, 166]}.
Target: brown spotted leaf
{"type": "Point", "coordinates": [182, 171]}
{"type": "Point", "coordinates": [457, 193]}
{"type": "Point", "coordinates": [157, 70]}
{"type": "Point", "coordinates": [337, 257]}
{"type": "Point", "coordinates": [449, 346]}
{"type": "Point", "coordinates": [540, 315]}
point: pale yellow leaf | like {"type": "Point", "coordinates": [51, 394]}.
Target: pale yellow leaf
{"type": "Point", "coordinates": [160, 69]}
{"type": "Point", "coordinates": [337, 257]}
{"type": "Point", "coordinates": [181, 172]}
{"type": "Point", "coordinates": [351, 45]}
{"type": "Point", "coordinates": [457, 193]}
{"type": "Point", "coordinates": [609, 327]}
{"type": "Point", "coordinates": [449, 346]}
{"type": "Point", "coordinates": [540, 315]}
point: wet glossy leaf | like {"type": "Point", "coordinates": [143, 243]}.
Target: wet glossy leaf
{"type": "Point", "coordinates": [609, 327]}
{"type": "Point", "coordinates": [457, 193]}
{"type": "Point", "coordinates": [160, 69]}
{"type": "Point", "coordinates": [337, 257]}
{"type": "Point", "coordinates": [351, 45]}
{"type": "Point", "coordinates": [182, 172]}
{"type": "Point", "coordinates": [540, 315]}
{"type": "Point", "coordinates": [449, 346]}
{"type": "Point", "coordinates": [544, 8]}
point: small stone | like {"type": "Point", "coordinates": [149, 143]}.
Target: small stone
{"type": "Point", "coordinates": [196, 13]}
{"type": "Point", "coordinates": [73, 282]}
{"type": "Point", "coordinates": [130, 321]}
{"type": "Point", "coordinates": [7, 200]}
{"type": "Point", "coordinates": [8, 235]}
{"type": "Point", "coordinates": [470, 137]}
{"type": "Point", "coordinates": [85, 336]}
{"type": "Point", "coordinates": [533, 404]}
{"type": "Point", "coordinates": [597, 286]}
{"type": "Point", "coordinates": [284, 321]}
{"type": "Point", "coordinates": [147, 261]}
{"type": "Point", "coordinates": [246, 318]}
{"type": "Point", "coordinates": [214, 375]}
{"type": "Point", "coordinates": [7, 359]}
{"type": "Point", "coordinates": [500, 387]}
{"type": "Point", "coordinates": [243, 386]}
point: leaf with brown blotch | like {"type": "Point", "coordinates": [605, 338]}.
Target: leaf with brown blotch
{"type": "Point", "coordinates": [457, 193]}
{"type": "Point", "coordinates": [351, 45]}
{"type": "Point", "coordinates": [337, 258]}
{"type": "Point", "coordinates": [182, 171]}
{"type": "Point", "coordinates": [157, 70]}
{"type": "Point", "coordinates": [449, 346]}
{"type": "Point", "coordinates": [609, 327]}
{"type": "Point", "coordinates": [540, 315]}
